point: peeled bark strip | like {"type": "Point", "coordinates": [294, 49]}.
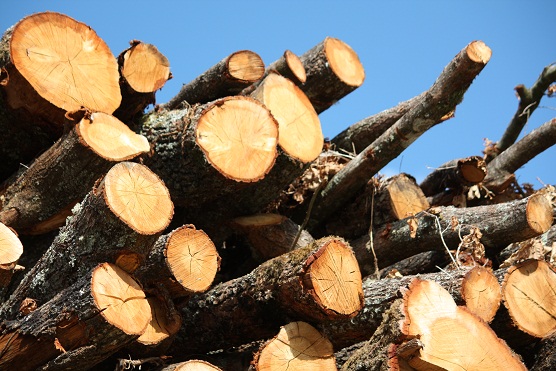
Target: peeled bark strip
{"type": "Point", "coordinates": [271, 235]}
{"type": "Point", "coordinates": [226, 78]}
{"type": "Point", "coordinates": [454, 175]}
{"type": "Point", "coordinates": [298, 346]}
{"type": "Point", "coordinates": [319, 282]}
{"type": "Point", "coordinates": [57, 65]}
{"type": "Point", "coordinates": [202, 153]}
{"type": "Point", "coordinates": [11, 249]}
{"type": "Point", "coordinates": [144, 70]}
{"type": "Point", "coordinates": [68, 170]}
{"type": "Point", "coordinates": [500, 224]}
{"type": "Point", "coordinates": [528, 291]}
{"type": "Point", "coordinates": [501, 169]}
{"type": "Point", "coordinates": [117, 222]}
{"type": "Point", "coordinates": [333, 71]}
{"type": "Point", "coordinates": [482, 293]}
{"type": "Point", "coordinates": [529, 100]}
{"type": "Point", "coordinates": [439, 102]}
{"type": "Point", "coordinates": [101, 312]}
{"type": "Point", "coordinates": [185, 261]}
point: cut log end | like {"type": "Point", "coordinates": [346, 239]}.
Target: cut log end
{"type": "Point", "coordinates": [120, 299]}
{"type": "Point", "coordinates": [296, 66]}
{"type": "Point", "coordinates": [162, 325]}
{"type": "Point", "coordinates": [66, 62]}
{"type": "Point", "coordinates": [344, 62]}
{"type": "Point", "coordinates": [194, 365]}
{"type": "Point", "coordinates": [406, 198]}
{"type": "Point", "coordinates": [300, 133]}
{"type": "Point", "coordinates": [246, 65]}
{"type": "Point", "coordinates": [238, 136]}
{"type": "Point", "coordinates": [11, 247]}
{"type": "Point", "coordinates": [482, 294]}
{"type": "Point", "coordinates": [335, 277]}
{"type": "Point", "coordinates": [145, 69]}
{"type": "Point", "coordinates": [138, 197]}
{"type": "Point", "coordinates": [539, 213]}
{"type": "Point", "coordinates": [479, 52]}
{"type": "Point", "coordinates": [529, 295]}
{"type": "Point", "coordinates": [110, 138]}
{"type": "Point", "coordinates": [298, 346]}
{"type": "Point", "coordinates": [192, 258]}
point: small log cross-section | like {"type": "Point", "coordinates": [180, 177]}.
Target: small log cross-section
{"type": "Point", "coordinates": [454, 175]}
{"type": "Point", "coordinates": [11, 249]}
{"type": "Point", "coordinates": [289, 66]}
{"type": "Point", "coordinates": [117, 222]}
{"type": "Point", "coordinates": [204, 152]}
{"type": "Point", "coordinates": [226, 78]}
{"type": "Point", "coordinates": [333, 71]}
{"type": "Point", "coordinates": [482, 294]}
{"type": "Point", "coordinates": [319, 282]}
{"type": "Point", "coordinates": [164, 324]}
{"type": "Point", "coordinates": [68, 170]}
{"type": "Point", "coordinates": [298, 346]}
{"type": "Point", "coordinates": [185, 261]}
{"type": "Point", "coordinates": [84, 324]}
{"type": "Point", "coordinates": [451, 336]}
{"type": "Point", "coordinates": [529, 291]}
{"type": "Point", "coordinates": [191, 365]}
{"type": "Point", "coordinates": [63, 66]}
{"type": "Point", "coordinates": [144, 70]}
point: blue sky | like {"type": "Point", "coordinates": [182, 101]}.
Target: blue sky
{"type": "Point", "coordinates": [403, 45]}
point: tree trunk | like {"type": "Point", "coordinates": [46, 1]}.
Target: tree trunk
{"type": "Point", "coordinates": [319, 282]}
{"type": "Point", "coordinates": [333, 71]}
{"type": "Point", "coordinates": [117, 222]}
{"type": "Point", "coordinates": [101, 312]}
{"type": "Point", "coordinates": [228, 77]}
{"type": "Point", "coordinates": [82, 156]}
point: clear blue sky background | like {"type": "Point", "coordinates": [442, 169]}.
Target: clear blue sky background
{"type": "Point", "coordinates": [403, 45]}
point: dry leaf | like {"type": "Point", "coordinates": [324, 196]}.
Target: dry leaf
{"type": "Point", "coordinates": [59, 346]}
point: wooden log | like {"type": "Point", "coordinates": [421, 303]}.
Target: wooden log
{"type": "Point", "coordinates": [191, 365]}
{"type": "Point", "coordinates": [501, 169]}
{"type": "Point", "coordinates": [143, 70]}
{"type": "Point", "coordinates": [184, 261]}
{"type": "Point", "coordinates": [528, 292]}
{"type": "Point", "coordinates": [80, 157]}
{"type": "Point", "coordinates": [271, 235]}
{"type": "Point", "coordinates": [227, 77]}
{"type": "Point", "coordinates": [56, 65]}
{"type": "Point", "coordinates": [482, 293]}
{"type": "Point", "coordinates": [333, 71]}
{"type": "Point", "coordinates": [298, 346]}
{"type": "Point", "coordinates": [440, 100]}
{"type": "Point", "coordinates": [202, 153]}
{"type": "Point", "coordinates": [545, 354]}
{"type": "Point", "coordinates": [11, 249]}
{"type": "Point", "coordinates": [117, 222]}
{"type": "Point", "coordinates": [101, 312]}
{"type": "Point", "coordinates": [454, 174]}
{"type": "Point", "coordinates": [500, 224]}
{"type": "Point", "coordinates": [319, 282]}
{"type": "Point", "coordinates": [425, 262]}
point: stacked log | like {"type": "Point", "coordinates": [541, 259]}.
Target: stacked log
{"type": "Point", "coordinates": [220, 231]}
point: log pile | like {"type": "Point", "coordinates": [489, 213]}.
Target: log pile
{"type": "Point", "coordinates": [220, 231]}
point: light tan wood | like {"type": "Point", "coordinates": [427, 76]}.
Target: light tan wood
{"type": "Point", "coordinates": [482, 293]}
{"type": "Point", "coordinates": [336, 279]}
{"type": "Point", "coordinates": [529, 294]}
{"type": "Point", "coordinates": [238, 138]}
{"type": "Point", "coordinates": [452, 337]}
{"type": "Point", "coordinates": [193, 365]}
{"type": "Point", "coordinates": [344, 62]}
{"type": "Point", "coordinates": [11, 247]}
{"type": "Point", "coordinates": [298, 346]}
{"type": "Point", "coordinates": [162, 325]}
{"type": "Point", "coordinates": [138, 197]}
{"type": "Point", "coordinates": [295, 66]}
{"type": "Point", "coordinates": [192, 258]}
{"type": "Point", "coordinates": [245, 65]}
{"type": "Point", "coordinates": [145, 68]}
{"type": "Point", "coordinates": [110, 138]}
{"type": "Point", "coordinates": [300, 133]}
{"type": "Point", "coordinates": [66, 62]}
{"type": "Point", "coordinates": [539, 216]}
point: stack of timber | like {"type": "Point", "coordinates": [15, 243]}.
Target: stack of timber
{"type": "Point", "coordinates": [221, 231]}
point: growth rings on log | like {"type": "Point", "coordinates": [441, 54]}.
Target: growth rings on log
{"type": "Point", "coordinates": [58, 65]}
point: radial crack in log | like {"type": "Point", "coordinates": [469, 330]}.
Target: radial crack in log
{"type": "Point", "coordinates": [482, 293]}
{"type": "Point", "coordinates": [446, 93]}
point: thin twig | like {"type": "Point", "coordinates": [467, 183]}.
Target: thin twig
{"type": "Point", "coordinates": [371, 242]}
{"type": "Point", "coordinates": [437, 219]}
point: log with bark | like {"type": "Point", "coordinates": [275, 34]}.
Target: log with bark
{"type": "Point", "coordinates": [36, 201]}
{"type": "Point", "coordinates": [319, 282]}
{"type": "Point", "coordinates": [227, 77]}
{"type": "Point", "coordinates": [454, 175]}
{"type": "Point", "coordinates": [117, 222]}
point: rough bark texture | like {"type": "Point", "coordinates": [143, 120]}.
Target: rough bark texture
{"type": "Point", "coordinates": [454, 174]}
